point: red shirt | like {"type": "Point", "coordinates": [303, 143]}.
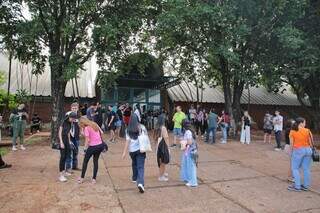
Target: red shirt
{"type": "Point", "coordinates": [226, 118]}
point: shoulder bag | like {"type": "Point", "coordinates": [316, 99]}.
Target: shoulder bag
{"type": "Point", "coordinates": [144, 142]}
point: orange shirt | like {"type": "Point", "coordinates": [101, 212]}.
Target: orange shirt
{"type": "Point", "coordinates": [300, 138]}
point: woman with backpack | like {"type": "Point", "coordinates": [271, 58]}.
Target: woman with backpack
{"type": "Point", "coordinates": [267, 127]}
{"type": "Point", "coordinates": [163, 155]}
{"type": "Point", "coordinates": [93, 146]}
{"type": "Point", "coordinates": [134, 130]}
{"type": "Point", "coordinates": [188, 172]}
{"type": "Point", "coordinates": [301, 141]}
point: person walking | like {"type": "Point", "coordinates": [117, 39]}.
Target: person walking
{"type": "Point", "coordinates": [112, 119]}
{"type": "Point", "coordinates": [225, 124]}
{"type": "Point", "coordinates": [178, 117]}
{"type": "Point", "coordinates": [18, 119]}
{"type": "Point", "coordinates": [192, 114]}
{"type": "Point", "coordinates": [245, 137]}
{"type": "Point", "coordinates": [163, 156]}
{"type": "Point", "coordinates": [98, 118]}
{"type": "Point", "coordinates": [119, 122]}
{"type": "Point", "coordinates": [188, 171]}
{"type": "Point", "coordinates": [301, 141]}
{"type": "Point", "coordinates": [278, 126]}
{"type": "Point", "coordinates": [65, 144]}
{"type": "Point", "coordinates": [267, 127]}
{"type": "Point", "coordinates": [132, 145]}
{"type": "Point", "coordinates": [91, 111]}
{"type": "Point", "coordinates": [212, 126]}
{"type": "Point", "coordinates": [205, 122]}
{"type": "Point", "coordinates": [72, 159]}
{"type": "Point", "coordinates": [93, 147]}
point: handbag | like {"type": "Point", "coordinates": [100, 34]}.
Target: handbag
{"type": "Point", "coordinates": [55, 146]}
{"type": "Point", "coordinates": [105, 145]}
{"type": "Point", "coordinates": [144, 142]}
{"type": "Point", "coordinates": [315, 152]}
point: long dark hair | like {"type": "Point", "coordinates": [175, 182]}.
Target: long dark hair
{"type": "Point", "coordinates": [297, 122]}
{"type": "Point", "coordinates": [133, 127]}
{"type": "Point", "coordinates": [161, 122]}
{"type": "Point", "coordinates": [186, 125]}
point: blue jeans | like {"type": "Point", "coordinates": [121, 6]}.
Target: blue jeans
{"type": "Point", "coordinates": [138, 160]}
{"type": "Point", "coordinates": [278, 138]}
{"type": "Point", "coordinates": [213, 130]}
{"type": "Point", "coordinates": [72, 158]}
{"type": "Point", "coordinates": [177, 132]}
{"type": "Point", "coordinates": [188, 172]}
{"type": "Point", "coordinates": [225, 132]}
{"type": "Point", "coordinates": [301, 158]}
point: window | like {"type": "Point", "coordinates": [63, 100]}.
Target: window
{"type": "Point", "coordinates": [154, 96]}
{"type": "Point", "coordinates": [139, 95]}
{"type": "Point", "coordinates": [123, 94]}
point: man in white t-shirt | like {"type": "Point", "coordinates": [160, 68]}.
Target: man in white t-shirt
{"type": "Point", "coordinates": [192, 114]}
{"type": "Point", "coordinates": [278, 127]}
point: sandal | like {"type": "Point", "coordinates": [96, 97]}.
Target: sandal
{"type": "Point", "coordinates": [5, 166]}
{"type": "Point", "coordinates": [80, 180]}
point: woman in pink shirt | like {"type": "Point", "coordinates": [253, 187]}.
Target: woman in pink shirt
{"type": "Point", "coordinates": [93, 146]}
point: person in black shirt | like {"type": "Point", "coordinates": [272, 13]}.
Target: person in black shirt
{"type": "Point", "coordinates": [36, 123]}
{"type": "Point", "coordinates": [72, 158]}
{"type": "Point", "coordinates": [84, 109]}
{"type": "Point", "coordinates": [65, 144]}
{"type": "Point", "coordinates": [98, 115]}
{"type": "Point", "coordinates": [126, 114]}
{"type": "Point", "coordinates": [112, 119]}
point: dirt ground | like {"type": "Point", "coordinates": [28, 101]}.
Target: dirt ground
{"type": "Point", "coordinates": [232, 178]}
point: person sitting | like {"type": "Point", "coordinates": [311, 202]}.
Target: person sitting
{"type": "Point", "coordinates": [36, 123]}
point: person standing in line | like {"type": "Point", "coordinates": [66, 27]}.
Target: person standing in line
{"type": "Point", "coordinates": [163, 156]}
{"type": "Point", "coordinates": [225, 124]}
{"type": "Point", "coordinates": [72, 159]}
{"type": "Point", "coordinates": [267, 127]}
{"type": "Point", "coordinates": [178, 117]}
{"type": "Point", "coordinates": [91, 111]}
{"type": "Point", "coordinates": [199, 121]}
{"type": "Point", "coordinates": [65, 144]}
{"type": "Point", "coordinates": [188, 171]}
{"type": "Point", "coordinates": [126, 114]}
{"type": "Point", "coordinates": [245, 137]}
{"type": "Point", "coordinates": [137, 111]}
{"type": "Point", "coordinates": [98, 118]}
{"type": "Point", "coordinates": [119, 122]}
{"type": "Point", "coordinates": [212, 126]}
{"type": "Point", "coordinates": [112, 119]}
{"type": "Point", "coordinates": [287, 148]}
{"type": "Point", "coordinates": [205, 122]}
{"type": "Point", "coordinates": [192, 114]}
{"type": "Point", "coordinates": [301, 141]}
{"type": "Point", "coordinates": [278, 126]}
{"type": "Point", "coordinates": [19, 122]}
{"type": "Point", "coordinates": [132, 145]}
{"type": "Point", "coordinates": [93, 147]}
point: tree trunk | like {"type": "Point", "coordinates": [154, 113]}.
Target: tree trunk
{"type": "Point", "coordinates": [9, 80]}
{"type": "Point", "coordinates": [58, 87]}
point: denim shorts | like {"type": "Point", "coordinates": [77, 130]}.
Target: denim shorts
{"type": "Point", "coordinates": [177, 132]}
{"type": "Point", "coordinates": [118, 123]}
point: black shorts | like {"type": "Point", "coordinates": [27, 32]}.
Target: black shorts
{"type": "Point", "coordinates": [112, 127]}
{"type": "Point", "coordinates": [268, 131]}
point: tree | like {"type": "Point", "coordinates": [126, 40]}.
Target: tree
{"type": "Point", "coordinates": [296, 59]}
{"type": "Point", "coordinates": [66, 33]}
{"type": "Point", "coordinates": [224, 39]}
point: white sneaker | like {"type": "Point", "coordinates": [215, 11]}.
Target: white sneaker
{"type": "Point", "coordinates": [67, 174]}
{"type": "Point", "coordinates": [141, 188]}
{"type": "Point", "coordinates": [22, 147]}
{"type": "Point", "coordinates": [62, 178]}
{"type": "Point", "coordinates": [14, 148]}
{"type": "Point", "coordinates": [188, 184]}
{"type": "Point", "coordinates": [166, 174]}
{"type": "Point", "coordinates": [163, 179]}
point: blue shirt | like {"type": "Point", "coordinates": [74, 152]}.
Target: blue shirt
{"type": "Point", "coordinates": [212, 120]}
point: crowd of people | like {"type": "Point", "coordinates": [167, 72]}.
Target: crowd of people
{"type": "Point", "coordinates": [132, 122]}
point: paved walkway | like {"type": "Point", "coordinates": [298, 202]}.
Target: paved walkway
{"type": "Point", "coordinates": [233, 178]}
